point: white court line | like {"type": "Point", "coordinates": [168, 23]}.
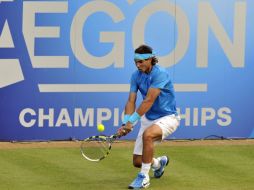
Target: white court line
{"type": "Point", "coordinates": [112, 87]}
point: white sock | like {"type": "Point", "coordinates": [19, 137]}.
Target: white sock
{"type": "Point", "coordinates": [156, 164]}
{"type": "Point", "coordinates": [145, 168]}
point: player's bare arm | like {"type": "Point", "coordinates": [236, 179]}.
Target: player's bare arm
{"type": "Point", "coordinates": [146, 104]}
{"type": "Point", "coordinates": [129, 109]}
{"type": "Point", "coordinates": [131, 103]}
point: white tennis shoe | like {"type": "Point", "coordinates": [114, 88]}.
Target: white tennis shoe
{"type": "Point", "coordinates": [141, 181]}
{"type": "Point", "coordinates": [164, 162]}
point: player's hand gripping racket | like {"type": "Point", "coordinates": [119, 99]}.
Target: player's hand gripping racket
{"type": "Point", "coordinates": [96, 148]}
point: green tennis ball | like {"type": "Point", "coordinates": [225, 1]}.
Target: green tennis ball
{"type": "Point", "coordinates": [100, 127]}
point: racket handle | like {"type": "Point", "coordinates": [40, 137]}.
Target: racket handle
{"type": "Point", "coordinates": [116, 136]}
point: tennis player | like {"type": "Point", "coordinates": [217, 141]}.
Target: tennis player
{"type": "Point", "coordinates": [157, 112]}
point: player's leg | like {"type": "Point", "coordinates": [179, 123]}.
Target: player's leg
{"type": "Point", "coordinates": [138, 147]}
{"type": "Point", "coordinates": [142, 180]}
{"type": "Point", "coordinates": [168, 125]}
{"type": "Point", "coordinates": [151, 134]}
{"type": "Point", "coordinates": [144, 155]}
{"type": "Point", "coordinates": [137, 160]}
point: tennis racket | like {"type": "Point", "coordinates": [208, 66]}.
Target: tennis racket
{"type": "Point", "coordinates": [96, 148]}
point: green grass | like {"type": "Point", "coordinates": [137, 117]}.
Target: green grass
{"type": "Point", "coordinates": [190, 168]}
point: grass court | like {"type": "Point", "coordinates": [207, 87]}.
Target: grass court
{"type": "Point", "coordinates": [217, 165]}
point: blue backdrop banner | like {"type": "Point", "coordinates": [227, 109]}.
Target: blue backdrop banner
{"type": "Point", "coordinates": [65, 65]}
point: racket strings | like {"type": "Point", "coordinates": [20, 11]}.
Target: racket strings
{"type": "Point", "coordinates": [95, 149]}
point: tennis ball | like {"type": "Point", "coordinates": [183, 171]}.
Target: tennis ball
{"type": "Point", "coordinates": [100, 127]}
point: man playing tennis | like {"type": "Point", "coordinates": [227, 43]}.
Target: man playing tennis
{"type": "Point", "coordinates": [157, 112]}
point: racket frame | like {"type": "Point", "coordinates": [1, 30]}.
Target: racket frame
{"type": "Point", "coordinates": [108, 139]}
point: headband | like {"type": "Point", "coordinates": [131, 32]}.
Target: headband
{"type": "Point", "coordinates": [143, 56]}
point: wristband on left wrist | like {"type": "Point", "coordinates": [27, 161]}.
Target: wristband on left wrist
{"type": "Point", "coordinates": [134, 117]}
{"type": "Point", "coordinates": [126, 118]}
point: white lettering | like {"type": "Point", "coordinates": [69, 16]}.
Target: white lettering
{"type": "Point", "coordinates": [116, 55]}
{"type": "Point", "coordinates": [49, 117]}
{"type": "Point", "coordinates": [22, 116]}
{"type": "Point", "coordinates": [103, 114]}
{"type": "Point", "coordinates": [195, 116]}
{"type": "Point", "coordinates": [200, 116]}
{"type": "Point", "coordinates": [182, 24]}
{"type": "Point", "coordinates": [185, 116]}
{"type": "Point", "coordinates": [225, 118]}
{"type": "Point", "coordinates": [81, 120]}
{"type": "Point", "coordinates": [63, 118]}
{"type": "Point", "coordinates": [6, 40]}
{"type": "Point", "coordinates": [116, 116]}
{"type": "Point", "coordinates": [10, 72]}
{"type": "Point", "coordinates": [30, 9]}
{"type": "Point", "coordinates": [234, 50]}
{"type": "Point", "coordinates": [207, 114]}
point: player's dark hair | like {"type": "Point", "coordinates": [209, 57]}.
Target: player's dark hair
{"type": "Point", "coordinates": [143, 49]}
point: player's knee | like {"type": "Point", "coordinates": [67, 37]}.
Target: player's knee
{"type": "Point", "coordinates": [147, 136]}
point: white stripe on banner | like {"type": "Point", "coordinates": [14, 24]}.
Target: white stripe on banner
{"type": "Point", "coordinates": [190, 87]}
{"type": "Point", "coordinates": [6, 1]}
{"type": "Point", "coordinates": [112, 87]}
